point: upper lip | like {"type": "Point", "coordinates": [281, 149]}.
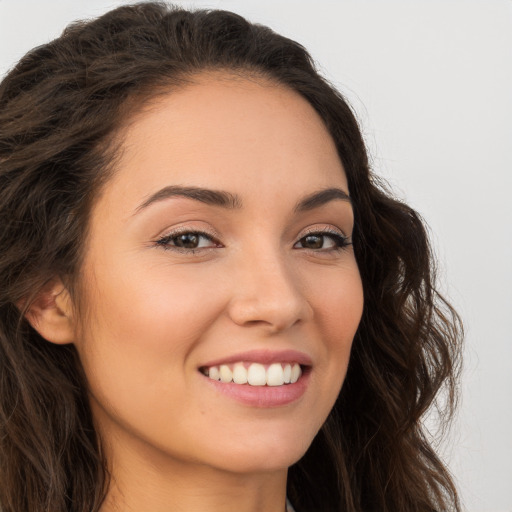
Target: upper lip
{"type": "Point", "coordinates": [263, 357]}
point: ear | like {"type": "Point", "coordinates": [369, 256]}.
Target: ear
{"type": "Point", "coordinates": [51, 314]}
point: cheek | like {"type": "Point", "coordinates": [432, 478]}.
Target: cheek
{"type": "Point", "coordinates": [337, 300]}
{"type": "Point", "coordinates": [153, 307]}
{"type": "Point", "coordinates": [342, 311]}
{"type": "Point", "coordinates": [141, 329]}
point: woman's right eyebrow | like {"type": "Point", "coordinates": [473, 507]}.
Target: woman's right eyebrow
{"type": "Point", "coordinates": [205, 195]}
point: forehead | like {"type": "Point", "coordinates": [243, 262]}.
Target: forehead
{"type": "Point", "coordinates": [229, 132]}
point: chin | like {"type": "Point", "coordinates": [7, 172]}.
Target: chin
{"type": "Point", "coordinates": [265, 455]}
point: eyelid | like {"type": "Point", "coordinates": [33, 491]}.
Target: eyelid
{"type": "Point", "coordinates": [163, 239]}
{"type": "Point", "coordinates": [188, 227]}
{"type": "Point", "coordinates": [323, 228]}
{"type": "Point", "coordinates": [338, 237]}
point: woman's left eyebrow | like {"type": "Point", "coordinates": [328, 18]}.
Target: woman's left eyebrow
{"type": "Point", "coordinates": [317, 199]}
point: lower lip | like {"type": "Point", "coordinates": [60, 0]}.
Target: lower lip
{"type": "Point", "coordinates": [263, 396]}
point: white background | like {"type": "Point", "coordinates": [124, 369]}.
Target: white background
{"type": "Point", "coordinates": [431, 82]}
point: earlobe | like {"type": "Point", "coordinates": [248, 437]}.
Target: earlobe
{"type": "Point", "coordinates": [51, 314]}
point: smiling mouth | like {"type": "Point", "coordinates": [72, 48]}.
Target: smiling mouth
{"type": "Point", "coordinates": [255, 374]}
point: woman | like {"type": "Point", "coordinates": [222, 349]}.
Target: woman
{"type": "Point", "coordinates": [208, 302]}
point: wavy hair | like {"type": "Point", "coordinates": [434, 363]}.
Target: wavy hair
{"type": "Point", "coordinates": [60, 108]}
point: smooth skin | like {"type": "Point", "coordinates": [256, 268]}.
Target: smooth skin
{"type": "Point", "coordinates": [157, 312]}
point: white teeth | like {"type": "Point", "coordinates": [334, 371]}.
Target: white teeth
{"type": "Point", "coordinates": [226, 375]}
{"type": "Point", "coordinates": [256, 375]}
{"type": "Point", "coordinates": [277, 374]}
{"type": "Point", "coordinates": [296, 373]}
{"type": "Point", "coordinates": [214, 373]}
{"type": "Point", "coordinates": [287, 373]}
{"type": "Point", "coordinates": [239, 374]}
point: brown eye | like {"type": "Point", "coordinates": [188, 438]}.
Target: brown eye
{"type": "Point", "coordinates": [187, 240]}
{"type": "Point", "coordinates": [313, 242]}
{"type": "Point", "coordinates": [322, 241]}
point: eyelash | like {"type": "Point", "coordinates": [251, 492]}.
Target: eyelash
{"type": "Point", "coordinates": [164, 242]}
{"type": "Point", "coordinates": [340, 241]}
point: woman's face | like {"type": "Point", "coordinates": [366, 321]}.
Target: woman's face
{"type": "Point", "coordinates": [216, 248]}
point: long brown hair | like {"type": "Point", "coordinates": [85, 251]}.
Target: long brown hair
{"type": "Point", "coordinates": [59, 110]}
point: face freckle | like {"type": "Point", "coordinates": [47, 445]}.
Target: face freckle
{"type": "Point", "coordinates": [160, 311]}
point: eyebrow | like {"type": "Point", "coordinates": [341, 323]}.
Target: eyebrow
{"type": "Point", "coordinates": [232, 201]}
{"type": "Point", "coordinates": [204, 195]}
{"type": "Point", "coordinates": [317, 199]}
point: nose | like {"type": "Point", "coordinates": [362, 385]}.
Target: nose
{"type": "Point", "coordinates": [268, 293]}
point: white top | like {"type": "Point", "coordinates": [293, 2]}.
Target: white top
{"type": "Point", "coordinates": [289, 507]}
